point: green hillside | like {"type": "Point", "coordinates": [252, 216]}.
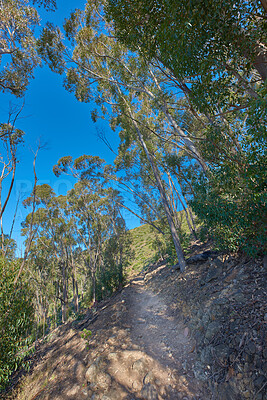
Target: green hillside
{"type": "Point", "coordinates": [147, 244]}
{"type": "Point", "coordinates": [143, 246]}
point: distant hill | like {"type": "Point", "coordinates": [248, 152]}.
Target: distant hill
{"type": "Point", "coordinates": [145, 242]}
{"type": "Point", "coordinates": [143, 245]}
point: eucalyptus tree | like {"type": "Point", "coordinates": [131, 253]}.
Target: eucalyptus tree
{"type": "Point", "coordinates": [123, 85]}
{"type": "Point", "coordinates": [95, 206]}
{"type": "Point", "coordinates": [200, 39]}
{"type": "Point", "coordinates": [18, 22]}
{"type": "Point", "coordinates": [55, 234]}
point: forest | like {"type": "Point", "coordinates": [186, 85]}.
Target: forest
{"type": "Point", "coordinates": [183, 85]}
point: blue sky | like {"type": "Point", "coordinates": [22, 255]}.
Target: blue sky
{"type": "Point", "coordinates": [55, 117]}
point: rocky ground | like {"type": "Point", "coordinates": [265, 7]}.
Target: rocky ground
{"type": "Point", "coordinates": [198, 335]}
{"type": "Point", "coordinates": [223, 302]}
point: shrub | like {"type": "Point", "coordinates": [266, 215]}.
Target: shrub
{"type": "Point", "coordinates": [16, 319]}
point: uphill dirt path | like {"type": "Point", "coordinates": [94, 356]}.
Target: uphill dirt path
{"type": "Point", "coordinates": [138, 349]}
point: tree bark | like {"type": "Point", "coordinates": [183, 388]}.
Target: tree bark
{"type": "Point", "coordinates": [192, 230]}
{"type": "Point", "coordinates": [177, 244]}
{"type": "Point", "coordinates": [264, 4]}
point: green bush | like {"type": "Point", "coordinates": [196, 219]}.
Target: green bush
{"type": "Point", "coordinates": [16, 320]}
{"type": "Point", "coordinates": [235, 219]}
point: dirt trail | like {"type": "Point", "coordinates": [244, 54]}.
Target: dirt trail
{"type": "Point", "coordinates": [138, 350]}
{"type": "Point", "coordinates": [162, 335]}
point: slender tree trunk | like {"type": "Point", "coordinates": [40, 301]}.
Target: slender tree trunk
{"type": "Point", "coordinates": [264, 5]}
{"type": "Point", "coordinates": [75, 286]}
{"type": "Point", "coordinates": [93, 284]}
{"type": "Point", "coordinates": [192, 230]}
{"type": "Point", "coordinates": [64, 294]}
{"type": "Point", "coordinates": [177, 244]}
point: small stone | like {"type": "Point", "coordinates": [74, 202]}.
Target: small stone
{"type": "Point", "coordinates": [259, 381]}
{"type": "Point", "coordinates": [246, 367]}
{"type": "Point", "coordinates": [251, 348]}
{"type": "Point", "coordinates": [112, 356]}
{"type": "Point", "coordinates": [222, 352]}
{"type": "Point", "coordinates": [259, 396]}
{"type": "Point", "coordinates": [149, 378]}
{"type": "Point", "coordinates": [139, 365]}
{"type": "Point", "coordinates": [213, 273]}
{"type": "Point", "coordinates": [103, 380]}
{"type": "Point", "coordinates": [74, 390]}
{"type": "Point", "coordinates": [217, 262]}
{"type": "Point", "coordinates": [135, 385]}
{"type": "Point", "coordinates": [212, 329]}
{"type": "Point", "coordinates": [186, 331]}
{"type": "Point", "coordinates": [149, 392]}
{"type": "Point", "coordinates": [199, 372]}
{"type": "Point", "coordinates": [91, 373]}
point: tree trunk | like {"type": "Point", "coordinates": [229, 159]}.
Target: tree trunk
{"type": "Point", "coordinates": [264, 4]}
{"type": "Point", "coordinates": [74, 285]}
{"type": "Point", "coordinates": [192, 230]}
{"type": "Point", "coordinates": [93, 284]}
{"type": "Point", "coordinates": [64, 294]}
{"type": "Point", "coordinates": [175, 237]}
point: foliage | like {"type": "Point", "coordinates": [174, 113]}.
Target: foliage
{"type": "Point", "coordinates": [204, 41]}
{"type": "Point", "coordinates": [216, 54]}
{"type": "Point", "coordinates": [16, 319]}
{"type": "Point", "coordinates": [86, 334]}
{"type": "Point", "coordinates": [18, 20]}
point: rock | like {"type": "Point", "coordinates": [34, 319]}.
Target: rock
{"type": "Point", "coordinates": [212, 329]}
{"type": "Point", "coordinates": [259, 381]}
{"type": "Point", "coordinates": [79, 369]}
{"type": "Point", "coordinates": [251, 348]}
{"type": "Point", "coordinates": [217, 263]}
{"type": "Point", "coordinates": [221, 301]}
{"type": "Point", "coordinates": [149, 378]}
{"type": "Point", "coordinates": [135, 385]}
{"type": "Point", "coordinates": [149, 392]}
{"type": "Point", "coordinates": [222, 352]}
{"type": "Point", "coordinates": [103, 380]}
{"type": "Point", "coordinates": [239, 297]}
{"type": "Point", "coordinates": [92, 371]}
{"type": "Point", "coordinates": [186, 331]}
{"type": "Point", "coordinates": [202, 257]}
{"type": "Point", "coordinates": [213, 273]}
{"type": "Point", "coordinates": [206, 355]}
{"type": "Point", "coordinates": [73, 390]}
{"type": "Point", "coordinates": [199, 372]}
{"type": "Point", "coordinates": [259, 396]}
{"type": "Point", "coordinates": [139, 365]}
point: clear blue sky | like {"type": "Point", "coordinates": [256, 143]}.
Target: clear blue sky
{"type": "Point", "coordinates": [58, 119]}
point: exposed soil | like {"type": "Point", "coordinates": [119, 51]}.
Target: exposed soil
{"type": "Point", "coordinates": [200, 335]}
{"type": "Point", "coordinates": [139, 349]}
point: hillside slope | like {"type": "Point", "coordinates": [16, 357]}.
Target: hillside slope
{"type": "Point", "coordinates": [166, 335]}
{"type": "Point", "coordinates": [138, 349]}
